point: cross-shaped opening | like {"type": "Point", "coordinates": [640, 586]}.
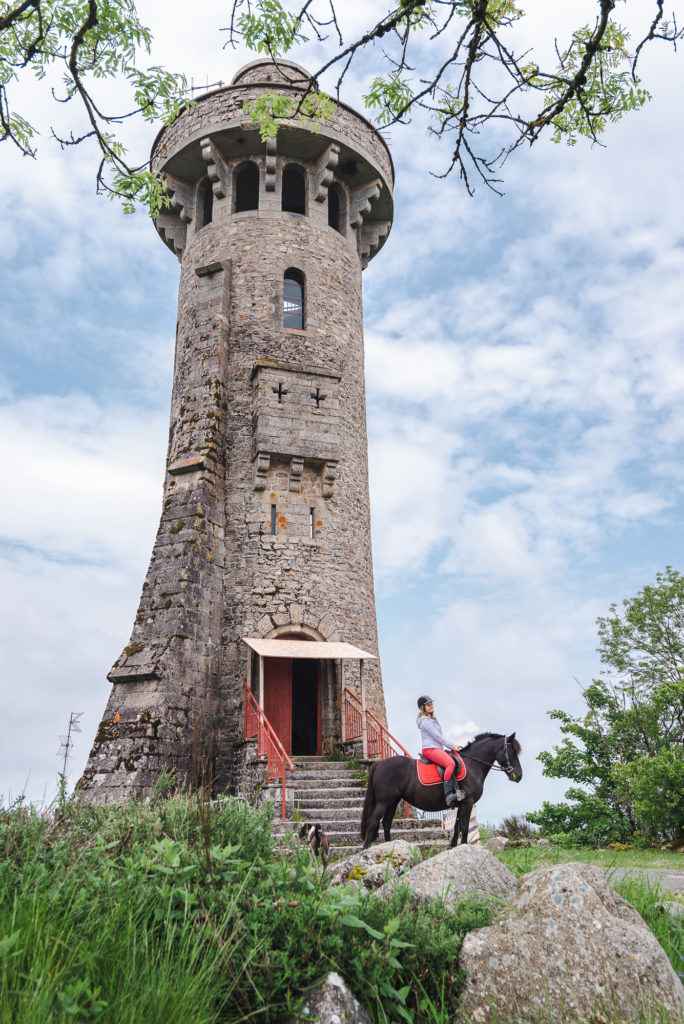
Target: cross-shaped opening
{"type": "Point", "coordinates": [280, 391]}
{"type": "Point", "coordinates": [318, 397]}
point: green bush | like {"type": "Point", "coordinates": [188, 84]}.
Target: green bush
{"type": "Point", "coordinates": [181, 911]}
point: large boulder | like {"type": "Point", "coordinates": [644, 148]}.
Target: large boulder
{"type": "Point", "coordinates": [455, 874]}
{"type": "Point", "coordinates": [568, 948]}
{"type": "Point", "coordinates": [331, 1002]}
{"type": "Point", "coordinates": [371, 868]}
{"type": "Point", "coordinates": [496, 844]}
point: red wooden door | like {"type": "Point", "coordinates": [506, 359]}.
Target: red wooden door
{"type": "Point", "coordinates": [278, 698]}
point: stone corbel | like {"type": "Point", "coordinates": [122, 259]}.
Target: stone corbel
{"type": "Point", "coordinates": [360, 202]}
{"type": "Point", "coordinates": [217, 172]}
{"type": "Point", "coordinates": [329, 475]}
{"type": "Point", "coordinates": [324, 172]}
{"type": "Point", "coordinates": [172, 231]}
{"type": "Point", "coordinates": [270, 176]}
{"type": "Point", "coordinates": [371, 235]}
{"type": "Point", "coordinates": [182, 197]}
{"type": "Point", "coordinates": [261, 466]}
{"type": "Point", "coordinates": [296, 470]}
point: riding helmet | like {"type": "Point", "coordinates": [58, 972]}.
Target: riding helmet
{"type": "Point", "coordinates": [424, 700]}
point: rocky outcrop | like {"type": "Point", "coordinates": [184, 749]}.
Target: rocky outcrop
{"type": "Point", "coordinates": [568, 948]}
{"type": "Point", "coordinates": [331, 1002]}
{"type": "Point", "coordinates": [456, 874]}
{"type": "Point", "coordinates": [381, 864]}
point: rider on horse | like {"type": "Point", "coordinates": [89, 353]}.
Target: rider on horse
{"type": "Point", "coordinates": [435, 746]}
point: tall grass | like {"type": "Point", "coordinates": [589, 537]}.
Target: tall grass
{"type": "Point", "coordinates": [183, 912]}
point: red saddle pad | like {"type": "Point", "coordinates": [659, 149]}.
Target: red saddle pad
{"type": "Point", "coordinates": [428, 774]}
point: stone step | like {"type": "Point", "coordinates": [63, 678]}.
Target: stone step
{"type": "Point", "coordinates": [344, 780]}
{"type": "Point", "coordinates": [352, 840]}
{"type": "Point", "coordinates": [316, 798]}
{"type": "Point", "coordinates": [316, 764]}
{"type": "Point", "coordinates": [336, 829]}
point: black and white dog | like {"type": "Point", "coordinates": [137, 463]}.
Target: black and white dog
{"type": "Point", "coordinates": [318, 841]}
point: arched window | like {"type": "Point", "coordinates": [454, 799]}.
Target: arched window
{"type": "Point", "coordinates": [293, 299]}
{"type": "Point", "coordinates": [247, 187]}
{"type": "Point", "coordinates": [206, 202]}
{"type": "Point", "coordinates": [334, 207]}
{"type": "Point", "coordinates": [294, 189]}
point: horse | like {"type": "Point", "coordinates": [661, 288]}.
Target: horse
{"type": "Point", "coordinates": [396, 778]}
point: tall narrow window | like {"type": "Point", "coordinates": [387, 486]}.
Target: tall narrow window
{"type": "Point", "coordinates": [294, 189]}
{"type": "Point", "coordinates": [293, 299]}
{"type": "Point", "coordinates": [206, 202]}
{"type": "Point", "coordinates": [247, 187]}
{"type": "Point", "coordinates": [311, 522]}
{"type": "Point", "coordinates": [334, 208]}
{"type": "Point", "coordinates": [273, 519]}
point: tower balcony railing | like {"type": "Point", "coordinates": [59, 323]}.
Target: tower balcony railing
{"type": "Point", "coordinates": [257, 726]}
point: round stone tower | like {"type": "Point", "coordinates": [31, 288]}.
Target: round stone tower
{"type": "Point", "coordinates": [265, 526]}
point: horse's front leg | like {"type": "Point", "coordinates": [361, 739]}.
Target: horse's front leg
{"type": "Point", "coordinates": [464, 813]}
{"type": "Point", "coordinates": [454, 837]}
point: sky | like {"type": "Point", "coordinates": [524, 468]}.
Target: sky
{"type": "Point", "coordinates": [525, 370]}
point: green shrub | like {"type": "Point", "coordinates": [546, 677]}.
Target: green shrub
{"type": "Point", "coordinates": [181, 910]}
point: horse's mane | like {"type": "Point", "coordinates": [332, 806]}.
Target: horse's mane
{"type": "Point", "coordinates": [490, 736]}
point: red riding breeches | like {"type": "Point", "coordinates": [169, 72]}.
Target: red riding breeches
{"type": "Point", "coordinates": [441, 758]}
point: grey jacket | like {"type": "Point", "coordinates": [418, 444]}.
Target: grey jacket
{"type": "Point", "coordinates": [431, 734]}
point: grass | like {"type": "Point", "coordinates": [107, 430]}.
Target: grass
{"type": "Point", "coordinates": [182, 911]}
{"type": "Point", "coordinates": [526, 858]}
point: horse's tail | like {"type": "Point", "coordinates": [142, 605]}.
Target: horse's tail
{"type": "Point", "coordinates": [368, 803]}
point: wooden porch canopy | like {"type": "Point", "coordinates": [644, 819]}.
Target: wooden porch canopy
{"type": "Point", "coordinates": [306, 649]}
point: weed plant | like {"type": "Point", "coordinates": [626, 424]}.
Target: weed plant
{"type": "Point", "coordinates": [182, 911]}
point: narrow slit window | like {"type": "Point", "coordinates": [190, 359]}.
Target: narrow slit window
{"type": "Point", "coordinates": [294, 190]}
{"type": "Point", "coordinates": [311, 521]}
{"type": "Point", "coordinates": [247, 187]}
{"type": "Point", "coordinates": [206, 202]}
{"type": "Point", "coordinates": [293, 299]}
{"type": "Point", "coordinates": [334, 208]}
{"type": "Point", "coordinates": [273, 519]}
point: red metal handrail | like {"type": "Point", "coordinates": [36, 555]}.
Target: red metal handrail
{"type": "Point", "coordinates": [353, 721]}
{"type": "Point", "coordinates": [381, 742]}
{"type": "Point", "coordinates": [256, 724]}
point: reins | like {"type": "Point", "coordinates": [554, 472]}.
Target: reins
{"type": "Point", "coordinates": [508, 769]}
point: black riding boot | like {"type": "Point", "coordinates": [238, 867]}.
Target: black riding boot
{"type": "Point", "coordinates": [449, 793]}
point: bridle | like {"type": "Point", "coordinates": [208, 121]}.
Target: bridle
{"type": "Point", "coordinates": [507, 767]}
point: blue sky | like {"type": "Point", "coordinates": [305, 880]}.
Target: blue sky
{"type": "Point", "coordinates": [525, 369]}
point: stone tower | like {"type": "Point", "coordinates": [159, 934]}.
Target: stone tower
{"type": "Point", "coordinates": [265, 525]}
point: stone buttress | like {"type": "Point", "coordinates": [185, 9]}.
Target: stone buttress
{"type": "Point", "coordinates": [265, 525]}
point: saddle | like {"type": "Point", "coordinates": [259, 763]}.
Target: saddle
{"type": "Point", "coordinates": [431, 774]}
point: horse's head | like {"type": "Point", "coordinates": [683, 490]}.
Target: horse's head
{"type": "Point", "coordinates": [509, 760]}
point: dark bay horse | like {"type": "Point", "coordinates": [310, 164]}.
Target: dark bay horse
{"type": "Point", "coordinates": [396, 778]}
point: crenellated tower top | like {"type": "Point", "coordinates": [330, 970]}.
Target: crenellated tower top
{"type": "Point", "coordinates": [345, 163]}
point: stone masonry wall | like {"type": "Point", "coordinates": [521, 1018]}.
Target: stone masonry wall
{"type": "Point", "coordinates": [261, 415]}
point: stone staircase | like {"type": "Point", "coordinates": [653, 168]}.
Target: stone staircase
{"type": "Point", "coordinates": [331, 794]}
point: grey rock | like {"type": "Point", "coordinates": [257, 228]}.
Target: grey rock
{"type": "Point", "coordinates": [377, 865]}
{"type": "Point", "coordinates": [673, 907]}
{"type": "Point", "coordinates": [543, 842]}
{"type": "Point", "coordinates": [455, 874]}
{"type": "Point", "coordinates": [331, 1002]}
{"type": "Point", "coordinates": [496, 843]}
{"type": "Point", "coordinates": [568, 948]}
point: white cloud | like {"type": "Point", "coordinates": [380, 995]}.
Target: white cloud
{"type": "Point", "coordinates": [525, 370]}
